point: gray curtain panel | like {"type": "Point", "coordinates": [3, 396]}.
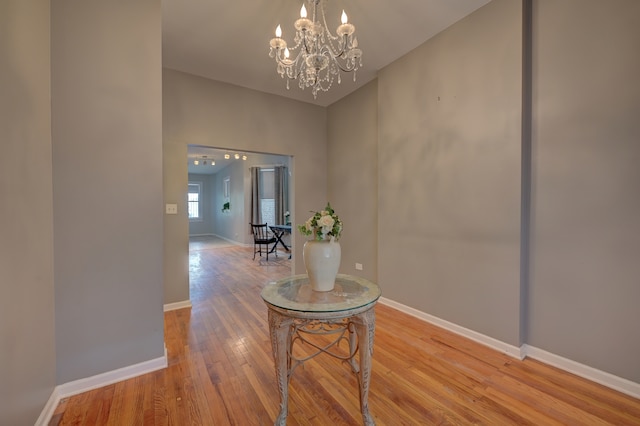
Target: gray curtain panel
{"type": "Point", "coordinates": [255, 196]}
{"type": "Point", "coordinates": [280, 173]}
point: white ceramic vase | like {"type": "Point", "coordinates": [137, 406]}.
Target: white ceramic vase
{"type": "Point", "coordinates": [322, 260]}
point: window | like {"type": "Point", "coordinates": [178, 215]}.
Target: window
{"type": "Point", "coordinates": [226, 184]}
{"type": "Point", "coordinates": [267, 197]}
{"type": "Point", "coordinates": [194, 201]}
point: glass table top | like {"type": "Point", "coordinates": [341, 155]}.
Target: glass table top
{"type": "Point", "coordinates": [295, 293]}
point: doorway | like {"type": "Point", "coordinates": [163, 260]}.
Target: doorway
{"type": "Point", "coordinates": [219, 195]}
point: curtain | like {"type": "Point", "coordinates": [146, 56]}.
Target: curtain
{"type": "Point", "coordinates": [279, 175]}
{"type": "Point", "coordinates": [255, 195]}
{"type": "Point", "coordinates": [269, 184]}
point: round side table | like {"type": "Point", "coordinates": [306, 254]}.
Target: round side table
{"type": "Point", "coordinates": [346, 313]}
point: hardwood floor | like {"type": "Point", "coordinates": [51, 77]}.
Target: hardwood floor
{"type": "Point", "coordinates": [221, 371]}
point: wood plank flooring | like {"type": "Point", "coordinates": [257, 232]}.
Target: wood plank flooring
{"type": "Point", "coordinates": [221, 371]}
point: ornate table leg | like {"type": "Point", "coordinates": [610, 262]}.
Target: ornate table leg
{"type": "Point", "coordinates": [353, 347]}
{"type": "Point", "coordinates": [280, 330]}
{"type": "Point", "coordinates": [365, 324]}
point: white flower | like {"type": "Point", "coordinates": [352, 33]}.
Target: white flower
{"type": "Point", "coordinates": [326, 222]}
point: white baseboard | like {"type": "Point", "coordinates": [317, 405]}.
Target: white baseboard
{"type": "Point", "coordinates": [505, 348]}
{"type": "Point", "coordinates": [602, 377]}
{"type": "Point", "coordinates": [598, 376]}
{"type": "Point", "coordinates": [49, 409]}
{"type": "Point", "coordinates": [229, 240]}
{"type": "Point", "coordinates": [234, 242]}
{"type": "Point", "coordinates": [177, 305]}
{"type": "Point", "coordinates": [89, 383]}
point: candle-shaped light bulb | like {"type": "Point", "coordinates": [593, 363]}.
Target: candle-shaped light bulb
{"type": "Point", "coordinates": [278, 31]}
{"type": "Point", "coordinates": [286, 52]}
{"type": "Point", "coordinates": [303, 12]}
{"type": "Point", "coordinates": [344, 17]}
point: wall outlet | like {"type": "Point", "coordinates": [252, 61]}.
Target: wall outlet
{"type": "Point", "coordinates": [358, 266]}
{"type": "Point", "coordinates": [171, 209]}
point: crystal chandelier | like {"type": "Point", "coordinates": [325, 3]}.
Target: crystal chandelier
{"type": "Point", "coordinates": [317, 56]}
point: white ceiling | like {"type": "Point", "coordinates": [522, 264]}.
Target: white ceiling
{"type": "Point", "coordinates": [228, 40]}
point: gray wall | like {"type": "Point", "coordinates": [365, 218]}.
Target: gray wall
{"type": "Point", "coordinates": [449, 173]}
{"type": "Point", "coordinates": [232, 225]}
{"type": "Point", "coordinates": [27, 346]}
{"type": "Point", "coordinates": [353, 177]}
{"type": "Point", "coordinates": [175, 268]}
{"type": "Point", "coordinates": [585, 273]}
{"type": "Point", "coordinates": [107, 182]}
{"type": "Point", "coordinates": [449, 164]}
{"type": "Point", "coordinates": [209, 113]}
{"type": "Point", "coordinates": [229, 224]}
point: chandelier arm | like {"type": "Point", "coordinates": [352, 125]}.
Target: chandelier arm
{"type": "Point", "coordinates": [289, 69]}
{"type": "Point", "coordinates": [346, 68]}
{"type": "Point", "coordinates": [338, 52]}
{"type": "Point", "coordinates": [344, 47]}
{"type": "Point", "coordinates": [334, 57]}
{"type": "Point", "coordinates": [284, 62]}
{"type": "Point", "coordinates": [287, 62]}
{"type": "Point", "coordinates": [288, 66]}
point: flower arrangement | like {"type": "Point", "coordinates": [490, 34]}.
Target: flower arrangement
{"type": "Point", "coordinates": [323, 225]}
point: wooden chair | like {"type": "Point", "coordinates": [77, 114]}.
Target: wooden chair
{"type": "Point", "coordinates": [262, 237]}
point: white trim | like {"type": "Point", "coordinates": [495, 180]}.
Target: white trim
{"type": "Point", "coordinates": [49, 409]}
{"type": "Point", "coordinates": [237, 243]}
{"type": "Point", "coordinates": [234, 242]}
{"type": "Point", "coordinates": [510, 350]}
{"type": "Point", "coordinates": [598, 376]}
{"type": "Point", "coordinates": [602, 377]}
{"type": "Point", "coordinates": [177, 305]}
{"type": "Point", "coordinates": [89, 383]}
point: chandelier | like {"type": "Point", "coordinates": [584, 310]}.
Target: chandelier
{"type": "Point", "coordinates": [317, 57]}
